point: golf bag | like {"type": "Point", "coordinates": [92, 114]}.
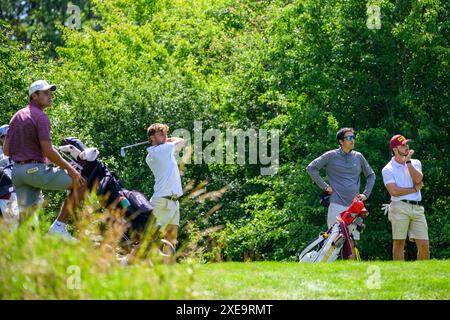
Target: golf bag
{"type": "Point", "coordinates": [9, 209]}
{"type": "Point", "coordinates": [6, 185]}
{"type": "Point", "coordinates": [335, 242]}
{"type": "Point", "coordinates": [108, 185]}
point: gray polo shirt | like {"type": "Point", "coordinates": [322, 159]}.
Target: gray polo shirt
{"type": "Point", "coordinates": [344, 174]}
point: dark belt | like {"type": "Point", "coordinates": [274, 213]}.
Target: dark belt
{"type": "Point", "coordinates": [417, 203]}
{"type": "Point", "coordinates": [28, 161]}
{"type": "Point", "coordinates": [172, 197]}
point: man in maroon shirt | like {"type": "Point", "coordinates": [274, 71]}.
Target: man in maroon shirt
{"type": "Point", "coordinates": [29, 144]}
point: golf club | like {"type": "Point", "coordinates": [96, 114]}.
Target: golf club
{"type": "Point", "coordinates": [122, 150]}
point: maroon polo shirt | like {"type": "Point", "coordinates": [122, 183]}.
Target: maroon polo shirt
{"type": "Point", "coordinates": [27, 127]}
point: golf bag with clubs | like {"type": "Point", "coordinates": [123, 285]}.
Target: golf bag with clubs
{"type": "Point", "coordinates": [335, 242]}
{"type": "Point", "coordinates": [138, 209]}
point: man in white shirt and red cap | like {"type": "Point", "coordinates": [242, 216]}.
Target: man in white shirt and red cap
{"type": "Point", "coordinates": [402, 177]}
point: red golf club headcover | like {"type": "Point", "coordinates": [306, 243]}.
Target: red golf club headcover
{"type": "Point", "coordinates": [352, 212]}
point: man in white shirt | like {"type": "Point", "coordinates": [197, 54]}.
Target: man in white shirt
{"type": "Point", "coordinates": [402, 177]}
{"type": "Point", "coordinates": [167, 188]}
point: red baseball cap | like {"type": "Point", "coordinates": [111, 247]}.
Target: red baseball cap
{"type": "Point", "coordinates": [398, 140]}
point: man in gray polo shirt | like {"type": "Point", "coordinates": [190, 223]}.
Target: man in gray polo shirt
{"type": "Point", "coordinates": [343, 168]}
{"type": "Point", "coordinates": [29, 144]}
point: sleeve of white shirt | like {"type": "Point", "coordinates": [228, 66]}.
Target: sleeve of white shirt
{"type": "Point", "coordinates": [388, 177]}
{"type": "Point", "coordinates": [166, 150]}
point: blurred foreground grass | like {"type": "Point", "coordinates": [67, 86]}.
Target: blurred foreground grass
{"type": "Point", "coordinates": [34, 265]}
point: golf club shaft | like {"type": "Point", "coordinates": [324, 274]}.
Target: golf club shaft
{"type": "Point", "coordinates": [136, 144]}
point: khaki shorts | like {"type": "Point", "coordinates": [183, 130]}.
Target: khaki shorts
{"type": "Point", "coordinates": [166, 211]}
{"type": "Point", "coordinates": [408, 220]}
{"type": "Point", "coordinates": [334, 211]}
{"type": "Point", "coordinates": [29, 179]}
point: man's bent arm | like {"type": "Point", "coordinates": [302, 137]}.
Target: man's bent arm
{"type": "Point", "coordinates": [416, 175]}
{"type": "Point", "coordinates": [369, 174]}
{"type": "Point", "coordinates": [53, 155]}
{"type": "Point", "coordinates": [178, 142]}
{"type": "Point", "coordinates": [313, 170]}
{"type": "Point", "coordinates": [369, 184]}
{"type": "Point", "coordinates": [396, 191]}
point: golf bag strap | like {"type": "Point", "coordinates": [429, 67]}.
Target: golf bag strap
{"type": "Point", "coordinates": [92, 175]}
{"type": "Point", "coordinates": [347, 247]}
{"type": "Point", "coordinates": [311, 245]}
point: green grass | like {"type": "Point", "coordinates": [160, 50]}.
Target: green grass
{"type": "Point", "coordinates": [339, 280]}
{"type": "Point", "coordinates": [34, 265]}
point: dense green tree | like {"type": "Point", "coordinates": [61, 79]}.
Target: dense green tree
{"type": "Point", "coordinates": [303, 67]}
{"type": "Point", "coordinates": [41, 19]}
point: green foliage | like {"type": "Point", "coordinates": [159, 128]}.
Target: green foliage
{"type": "Point", "coordinates": [35, 21]}
{"type": "Point", "coordinates": [329, 70]}
{"type": "Point", "coordinates": [304, 67]}
{"type": "Point", "coordinates": [18, 67]}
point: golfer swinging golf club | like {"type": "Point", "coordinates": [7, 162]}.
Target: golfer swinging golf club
{"type": "Point", "coordinates": [167, 188]}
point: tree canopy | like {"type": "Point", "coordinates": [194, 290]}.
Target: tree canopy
{"type": "Point", "coordinates": [304, 67]}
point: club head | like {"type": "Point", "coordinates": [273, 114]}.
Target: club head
{"type": "Point", "coordinates": [122, 152]}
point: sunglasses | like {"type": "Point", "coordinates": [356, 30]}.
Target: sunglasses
{"type": "Point", "coordinates": [349, 138]}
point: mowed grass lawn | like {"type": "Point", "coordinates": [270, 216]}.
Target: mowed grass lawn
{"type": "Point", "coordinates": [339, 280]}
{"type": "Point", "coordinates": [34, 265]}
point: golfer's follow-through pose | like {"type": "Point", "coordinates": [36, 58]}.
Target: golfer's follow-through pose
{"type": "Point", "coordinates": [343, 167]}
{"type": "Point", "coordinates": [167, 188]}
{"type": "Point", "coordinates": [29, 144]}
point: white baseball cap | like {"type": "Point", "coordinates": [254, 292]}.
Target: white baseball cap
{"type": "Point", "coordinates": [40, 85]}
